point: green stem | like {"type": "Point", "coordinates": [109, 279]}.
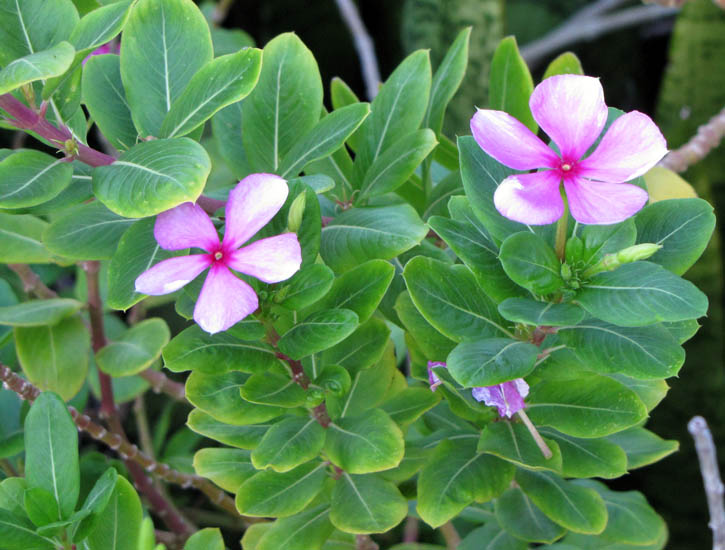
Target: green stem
{"type": "Point", "coordinates": [561, 227]}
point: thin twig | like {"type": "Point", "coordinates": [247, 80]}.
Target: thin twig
{"type": "Point", "coordinates": [410, 530]}
{"type": "Point", "coordinates": [705, 447]}
{"type": "Point", "coordinates": [363, 44]}
{"type": "Point", "coordinates": [31, 282]}
{"type": "Point", "coordinates": [220, 11]}
{"type": "Point", "coordinates": [453, 539]}
{"type": "Point", "coordinates": [708, 136]}
{"type": "Point", "coordinates": [364, 542]}
{"type": "Point", "coordinates": [160, 383]}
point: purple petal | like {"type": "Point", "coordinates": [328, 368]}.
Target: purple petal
{"type": "Point", "coordinates": [185, 226]}
{"type": "Point", "coordinates": [252, 203]}
{"type": "Point", "coordinates": [224, 300]}
{"type": "Point", "coordinates": [572, 112]}
{"type": "Point", "coordinates": [271, 260]}
{"type": "Point", "coordinates": [170, 275]}
{"type": "Point", "coordinates": [510, 142]}
{"type": "Point", "coordinates": [433, 380]}
{"type": "Point", "coordinates": [632, 145]}
{"type": "Point", "coordinates": [595, 202]}
{"type": "Point", "coordinates": [532, 199]}
{"type": "Point", "coordinates": [508, 397]}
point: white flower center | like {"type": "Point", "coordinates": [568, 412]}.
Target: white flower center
{"type": "Point", "coordinates": [218, 255]}
{"type": "Point", "coordinates": [566, 167]}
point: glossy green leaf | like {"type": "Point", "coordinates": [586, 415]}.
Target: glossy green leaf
{"type": "Point", "coordinates": [364, 444]}
{"type": "Point", "coordinates": [227, 131]}
{"type": "Point", "coordinates": [51, 452]}
{"type": "Point", "coordinates": [28, 178]}
{"type": "Point", "coordinates": [288, 444]}
{"type": "Point", "coordinates": [152, 177]}
{"type": "Point", "coordinates": [513, 442]}
{"type": "Point", "coordinates": [366, 504]}
{"type": "Point", "coordinates": [55, 358]}
{"type": "Point", "coordinates": [19, 534]}
{"type": "Point", "coordinates": [565, 63]}
{"type": "Point", "coordinates": [491, 361]}
{"type": "Point", "coordinates": [228, 468]}
{"type": "Point", "coordinates": [450, 299]}
{"type": "Point", "coordinates": [281, 494]}
{"type": "Point", "coordinates": [206, 539]}
{"type": "Point", "coordinates": [136, 350]}
{"type": "Point", "coordinates": [408, 405]}
{"type": "Point", "coordinates": [362, 234]}
{"type": "Point", "coordinates": [36, 66]}
{"type": "Point", "coordinates": [588, 457]}
{"type": "Point", "coordinates": [165, 42]}
{"type": "Point", "coordinates": [307, 530]}
{"type": "Point", "coordinates": [531, 263]}
{"type": "Point", "coordinates": [274, 387]}
{"type": "Point", "coordinates": [532, 312]}
{"type": "Point", "coordinates": [38, 312]}
{"type": "Point", "coordinates": [41, 507]}
{"type": "Point", "coordinates": [242, 437]}
{"type": "Point", "coordinates": [224, 81]}
{"type": "Point", "coordinates": [96, 503]}
{"type": "Point", "coordinates": [600, 240]}
{"type": "Point", "coordinates": [651, 392]}
{"type": "Point", "coordinates": [12, 490]}
{"type": "Point", "coordinates": [434, 345]}
{"type": "Point", "coordinates": [523, 519]}
{"type": "Point", "coordinates": [588, 407]}
{"type": "Point", "coordinates": [446, 80]}
{"type": "Point", "coordinates": [119, 524]}
{"type": "Point", "coordinates": [100, 26]}
{"type": "Point", "coordinates": [361, 349]}
{"type": "Point", "coordinates": [318, 332]}
{"type": "Point", "coordinates": [20, 239]}
{"type": "Point", "coordinates": [306, 286]}
{"type": "Point", "coordinates": [511, 83]}
{"type": "Point", "coordinates": [494, 538]}
{"type": "Point", "coordinates": [643, 447]}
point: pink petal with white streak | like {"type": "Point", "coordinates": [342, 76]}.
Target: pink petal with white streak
{"type": "Point", "coordinates": [271, 260]}
{"type": "Point", "coordinates": [632, 145]}
{"type": "Point", "coordinates": [252, 203]}
{"type": "Point", "coordinates": [510, 142]}
{"type": "Point", "coordinates": [571, 110]}
{"type": "Point", "coordinates": [224, 300]}
{"type": "Point", "coordinates": [533, 199]}
{"type": "Point", "coordinates": [599, 203]}
{"type": "Point", "coordinates": [185, 226]}
{"type": "Point", "coordinates": [170, 275]}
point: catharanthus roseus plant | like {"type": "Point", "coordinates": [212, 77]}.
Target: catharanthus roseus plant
{"type": "Point", "coordinates": [294, 276]}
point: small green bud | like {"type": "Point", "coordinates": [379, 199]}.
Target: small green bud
{"type": "Point", "coordinates": [314, 397]}
{"type": "Point", "coordinates": [294, 218]}
{"type": "Point", "coordinates": [574, 250]}
{"type": "Point", "coordinates": [637, 252]}
{"type": "Point", "coordinates": [565, 272]}
{"type": "Point", "coordinates": [334, 379]}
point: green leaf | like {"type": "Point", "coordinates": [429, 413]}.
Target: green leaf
{"type": "Point", "coordinates": [105, 98]}
{"type": "Point", "coordinates": [682, 331]}
{"type": "Point", "coordinates": [588, 457]}
{"type": "Point", "coordinates": [228, 468]}
{"type": "Point", "coordinates": [639, 352]}
{"type": "Point", "coordinates": [55, 358]}
{"type": "Point", "coordinates": [219, 395]}
{"type": "Point", "coordinates": [643, 447]}
{"type": "Point", "coordinates": [408, 405]}
{"type": "Point", "coordinates": [565, 63]}
{"type": "Point", "coordinates": [274, 388]}
{"type": "Point", "coordinates": [36, 66]}
{"type": "Point", "coordinates": [362, 349]}
{"type": "Point", "coordinates": [51, 452]}
{"type": "Point", "coordinates": [136, 350]}
{"type": "Point", "coordinates": [28, 178]}
{"type": "Point", "coordinates": [152, 177]}
{"type": "Point", "coordinates": [531, 312]}
{"type": "Point", "coordinates": [281, 494]}
{"type": "Point", "coordinates": [328, 135]}
{"type": "Point", "coordinates": [96, 503]}
{"type": "Point", "coordinates": [19, 534]}
{"type": "Point", "coordinates": [588, 407]}
{"type": "Point", "coordinates": [579, 509]}
{"type": "Point", "coordinates": [434, 345]}
{"type": "Point", "coordinates": [362, 234]}
{"type": "Point", "coordinates": [513, 442]}
{"type": "Point", "coordinates": [306, 286]}
{"type": "Point", "coordinates": [490, 362]}
{"type": "Point", "coordinates": [119, 524]}
{"type": "Point", "coordinates": [510, 83]}
{"type": "Point", "coordinates": [651, 392]}
{"type": "Point", "coordinates": [206, 539]}
{"type": "Point", "coordinates": [495, 538]}
{"type": "Point", "coordinates": [195, 349]}
{"type": "Point", "coordinates": [100, 26]}
{"type": "Point", "coordinates": [12, 490]}
{"type": "Point", "coordinates": [86, 232]}
{"type": "Point", "coordinates": [285, 104]}
{"type": "Point", "coordinates": [600, 240]}
{"type": "Point", "coordinates": [288, 444]}
{"type": "Point", "coordinates": [20, 239]}
{"type": "Point", "coordinates": [227, 131]}
{"type": "Point", "coordinates": [38, 312]}
{"type": "Point", "coordinates": [455, 476]}
{"type": "Point", "coordinates": [450, 299]}
{"type": "Point", "coordinates": [318, 332]}
{"type": "Point", "coordinates": [396, 164]}
{"type": "Point", "coordinates": [307, 530]}
{"type": "Point", "coordinates": [446, 80]}
{"type": "Point", "coordinates": [641, 293]}
{"type": "Point", "coordinates": [242, 437]}
{"type": "Point", "coordinates": [361, 289]}
{"type": "Point", "coordinates": [682, 226]}
{"type": "Point", "coordinates": [224, 81]}
{"type": "Point", "coordinates": [531, 263]}
{"type": "Point", "coordinates": [522, 518]}
{"type": "Point", "coordinates": [366, 504]}
{"type": "Point", "coordinates": [41, 506]}
{"type": "Point", "coordinates": [365, 444]}
{"type": "Point", "coordinates": [165, 42]}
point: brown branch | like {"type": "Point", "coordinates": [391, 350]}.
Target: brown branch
{"type": "Point", "coordinates": [160, 383]}
{"type": "Point", "coordinates": [705, 447]}
{"type": "Point", "coordinates": [31, 282]}
{"type": "Point", "coordinates": [364, 542]}
{"type": "Point", "coordinates": [410, 530]}
{"type": "Point", "coordinates": [708, 137]}
{"type": "Point", "coordinates": [453, 539]}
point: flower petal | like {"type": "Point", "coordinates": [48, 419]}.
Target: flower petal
{"type": "Point", "coordinates": [571, 110]}
{"type": "Point", "coordinates": [632, 145]}
{"type": "Point", "coordinates": [508, 397]}
{"type": "Point", "coordinates": [271, 260]}
{"type": "Point", "coordinates": [595, 202]}
{"type": "Point", "coordinates": [433, 379]}
{"type": "Point", "coordinates": [252, 203]}
{"type": "Point", "coordinates": [224, 300]}
{"type": "Point", "coordinates": [185, 226]}
{"type": "Point", "coordinates": [510, 142]}
{"type": "Point", "coordinates": [533, 199]}
{"type": "Point", "coordinates": [170, 275]}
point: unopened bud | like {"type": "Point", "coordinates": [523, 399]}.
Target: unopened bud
{"type": "Point", "coordinates": [565, 272]}
{"type": "Point", "coordinates": [635, 253]}
{"type": "Point", "coordinates": [294, 218]}
{"type": "Point", "coordinates": [574, 250]}
{"type": "Point", "coordinates": [314, 397]}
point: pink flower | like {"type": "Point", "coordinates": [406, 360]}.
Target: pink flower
{"type": "Point", "coordinates": [225, 299]}
{"type": "Point", "coordinates": [571, 110]}
{"type": "Point", "coordinates": [508, 397]}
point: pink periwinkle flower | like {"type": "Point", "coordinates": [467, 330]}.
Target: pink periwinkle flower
{"type": "Point", "coordinates": [224, 298]}
{"type": "Point", "coordinates": [572, 112]}
{"type": "Point", "coordinates": [109, 47]}
{"type": "Point", "coordinates": [508, 397]}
